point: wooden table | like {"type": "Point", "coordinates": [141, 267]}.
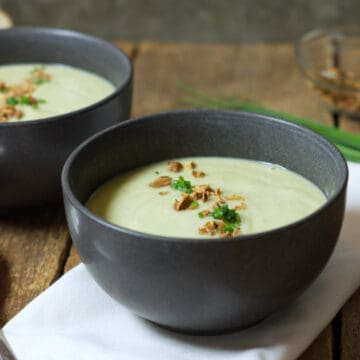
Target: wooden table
{"type": "Point", "coordinates": [35, 250]}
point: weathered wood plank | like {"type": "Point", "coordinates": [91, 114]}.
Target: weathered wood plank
{"type": "Point", "coordinates": [267, 73]}
{"type": "Point", "coordinates": [32, 250]}
{"type": "Point", "coordinates": [321, 348]}
{"type": "Point", "coordinates": [350, 329]}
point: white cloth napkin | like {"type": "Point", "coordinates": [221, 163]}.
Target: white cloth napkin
{"type": "Point", "coordinates": [75, 319]}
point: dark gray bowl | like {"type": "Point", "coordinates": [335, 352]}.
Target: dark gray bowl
{"type": "Point", "coordinates": [32, 153]}
{"type": "Point", "coordinates": [204, 285]}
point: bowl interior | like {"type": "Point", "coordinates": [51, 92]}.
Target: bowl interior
{"type": "Point", "coordinates": [45, 45]}
{"type": "Point", "coordinates": [203, 133]}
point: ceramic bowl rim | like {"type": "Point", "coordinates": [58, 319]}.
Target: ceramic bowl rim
{"type": "Point", "coordinates": [68, 193]}
{"type": "Point", "coordinates": [49, 31]}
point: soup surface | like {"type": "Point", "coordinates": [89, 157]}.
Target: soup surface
{"type": "Point", "coordinates": [206, 196]}
{"type": "Point", "coordinates": [37, 91]}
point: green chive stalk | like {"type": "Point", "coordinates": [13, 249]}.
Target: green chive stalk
{"type": "Point", "coordinates": [347, 142]}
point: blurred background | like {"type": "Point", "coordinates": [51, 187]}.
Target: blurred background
{"type": "Point", "coordinates": [191, 20]}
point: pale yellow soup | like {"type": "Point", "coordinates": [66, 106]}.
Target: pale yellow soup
{"type": "Point", "coordinates": [69, 89]}
{"type": "Point", "coordinates": [274, 197]}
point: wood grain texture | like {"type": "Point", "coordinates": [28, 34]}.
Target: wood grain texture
{"type": "Point", "coordinates": [321, 348]}
{"type": "Point", "coordinates": [32, 250]}
{"type": "Point", "coordinates": [350, 329]}
{"type": "Point", "coordinates": [267, 73]}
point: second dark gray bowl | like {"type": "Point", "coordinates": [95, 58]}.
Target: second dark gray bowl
{"type": "Point", "coordinates": [32, 153]}
{"type": "Point", "coordinates": [204, 285]}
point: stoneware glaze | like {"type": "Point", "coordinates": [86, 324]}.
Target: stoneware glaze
{"type": "Point", "coordinates": [204, 285]}
{"type": "Point", "coordinates": [32, 153]}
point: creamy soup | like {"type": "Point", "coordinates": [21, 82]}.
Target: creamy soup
{"type": "Point", "coordinates": [206, 196]}
{"type": "Point", "coordinates": [37, 91]}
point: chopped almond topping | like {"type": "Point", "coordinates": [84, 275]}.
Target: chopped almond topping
{"type": "Point", "coordinates": [161, 181]}
{"type": "Point", "coordinates": [184, 203]}
{"type": "Point", "coordinates": [202, 188]}
{"type": "Point", "coordinates": [234, 197]}
{"type": "Point", "coordinates": [225, 234]}
{"type": "Point", "coordinates": [219, 199]}
{"type": "Point", "coordinates": [8, 111]}
{"type": "Point", "coordinates": [20, 90]}
{"type": "Point", "coordinates": [236, 232]}
{"type": "Point", "coordinates": [163, 192]}
{"type": "Point", "coordinates": [202, 231]}
{"type": "Point", "coordinates": [175, 166]}
{"type": "Point", "coordinates": [211, 225]}
{"type": "Point", "coordinates": [206, 212]}
{"type": "Point", "coordinates": [40, 74]}
{"type": "Point", "coordinates": [2, 86]}
{"type": "Point", "coordinates": [242, 206]}
{"type": "Point", "coordinates": [198, 174]}
{"type": "Point", "coordinates": [190, 165]}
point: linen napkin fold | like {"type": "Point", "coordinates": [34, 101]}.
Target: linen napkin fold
{"type": "Point", "coordinates": [75, 319]}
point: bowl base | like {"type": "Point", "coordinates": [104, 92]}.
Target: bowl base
{"type": "Point", "coordinates": [204, 332]}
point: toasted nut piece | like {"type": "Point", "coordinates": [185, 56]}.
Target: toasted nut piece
{"type": "Point", "coordinates": [242, 206]}
{"type": "Point", "coordinates": [163, 192]}
{"type": "Point", "coordinates": [2, 85]}
{"type": "Point", "coordinates": [175, 166]}
{"type": "Point", "coordinates": [202, 188]}
{"type": "Point", "coordinates": [236, 232]}
{"type": "Point", "coordinates": [205, 196]}
{"type": "Point", "coordinates": [198, 174]}
{"type": "Point", "coordinates": [202, 231]}
{"type": "Point", "coordinates": [234, 197]}
{"type": "Point", "coordinates": [211, 225]}
{"type": "Point", "coordinates": [161, 181]}
{"type": "Point", "coordinates": [9, 111]}
{"type": "Point", "coordinates": [190, 165]}
{"type": "Point", "coordinates": [184, 203]}
{"type": "Point", "coordinates": [226, 234]}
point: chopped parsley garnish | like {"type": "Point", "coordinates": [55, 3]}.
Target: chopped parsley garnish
{"type": "Point", "coordinates": [201, 215]}
{"type": "Point", "coordinates": [157, 173]}
{"type": "Point", "coordinates": [224, 213]}
{"type": "Point", "coordinates": [12, 101]}
{"type": "Point", "coordinates": [230, 228]}
{"type": "Point", "coordinates": [194, 205]}
{"type": "Point", "coordinates": [37, 68]}
{"type": "Point", "coordinates": [182, 185]}
{"type": "Point", "coordinates": [39, 80]}
{"type": "Point", "coordinates": [24, 100]}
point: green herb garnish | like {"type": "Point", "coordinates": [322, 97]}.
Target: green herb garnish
{"type": "Point", "coordinates": [230, 228]}
{"type": "Point", "coordinates": [37, 68]}
{"type": "Point", "coordinates": [230, 217]}
{"type": "Point", "coordinates": [12, 101]}
{"type": "Point", "coordinates": [224, 213]}
{"type": "Point", "coordinates": [182, 185]}
{"type": "Point", "coordinates": [157, 173]}
{"type": "Point", "coordinates": [201, 215]}
{"type": "Point", "coordinates": [347, 142]}
{"type": "Point", "coordinates": [194, 205]}
{"type": "Point", "coordinates": [38, 80]}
